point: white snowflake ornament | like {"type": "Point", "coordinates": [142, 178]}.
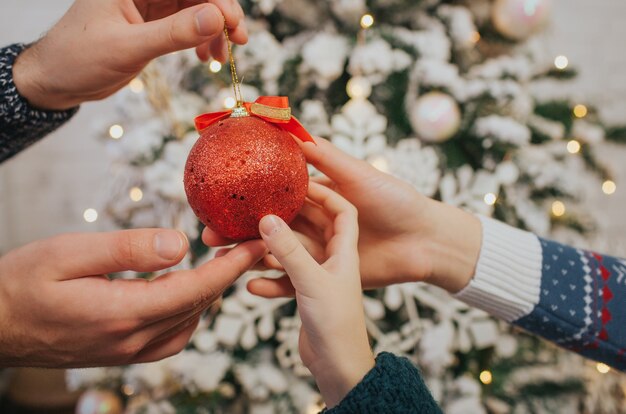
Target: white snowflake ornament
{"type": "Point", "coordinates": [415, 164]}
{"type": "Point", "coordinates": [324, 57]}
{"type": "Point", "coordinates": [359, 129]}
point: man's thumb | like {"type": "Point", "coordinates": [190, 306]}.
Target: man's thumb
{"type": "Point", "coordinates": [188, 28]}
{"type": "Point", "coordinates": [85, 254]}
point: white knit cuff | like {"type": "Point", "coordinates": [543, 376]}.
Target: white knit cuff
{"type": "Point", "coordinates": [507, 282]}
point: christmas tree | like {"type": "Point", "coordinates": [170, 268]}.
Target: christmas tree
{"type": "Point", "coordinates": [455, 97]}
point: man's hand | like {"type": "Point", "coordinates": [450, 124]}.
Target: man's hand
{"type": "Point", "coordinates": [98, 46]}
{"type": "Point", "coordinates": [58, 309]}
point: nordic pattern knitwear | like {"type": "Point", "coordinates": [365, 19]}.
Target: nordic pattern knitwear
{"type": "Point", "coordinates": [575, 298]}
{"type": "Point", "coordinates": [20, 124]}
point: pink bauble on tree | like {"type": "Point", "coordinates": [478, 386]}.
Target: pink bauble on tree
{"type": "Point", "coordinates": [518, 19]}
{"type": "Point", "coordinates": [435, 117]}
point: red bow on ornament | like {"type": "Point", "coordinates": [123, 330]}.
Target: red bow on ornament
{"type": "Point", "coordinates": [274, 109]}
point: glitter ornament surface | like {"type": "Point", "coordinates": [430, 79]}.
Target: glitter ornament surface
{"type": "Point", "coordinates": [242, 169]}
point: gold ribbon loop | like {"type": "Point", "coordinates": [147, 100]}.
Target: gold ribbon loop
{"type": "Point", "coordinates": [282, 114]}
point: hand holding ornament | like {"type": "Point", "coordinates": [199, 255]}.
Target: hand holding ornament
{"type": "Point", "coordinates": [333, 340]}
{"type": "Point", "coordinates": [99, 46]}
{"type": "Point", "coordinates": [404, 236]}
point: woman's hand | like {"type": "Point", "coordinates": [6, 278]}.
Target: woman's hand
{"type": "Point", "coordinates": [333, 339]}
{"type": "Point", "coordinates": [404, 236]}
{"type": "Point", "coordinates": [98, 46]}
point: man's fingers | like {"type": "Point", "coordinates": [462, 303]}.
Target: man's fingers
{"type": "Point", "coordinates": [222, 252]}
{"type": "Point", "coordinates": [157, 9]}
{"type": "Point", "coordinates": [156, 331]}
{"type": "Point", "coordinates": [231, 10]}
{"type": "Point", "coordinates": [239, 34]}
{"type": "Point", "coordinates": [188, 28]}
{"type": "Point", "coordinates": [86, 254]}
{"type": "Point", "coordinates": [272, 288]}
{"type": "Point", "coordinates": [203, 51]}
{"type": "Point", "coordinates": [211, 238]}
{"type": "Point", "coordinates": [336, 164]}
{"type": "Point", "coordinates": [219, 49]}
{"type": "Point", "coordinates": [185, 290]}
{"type": "Point", "coordinates": [173, 329]}
{"type": "Point", "coordinates": [168, 346]}
{"type": "Point", "coordinates": [171, 294]}
{"type": "Point", "coordinates": [235, 262]}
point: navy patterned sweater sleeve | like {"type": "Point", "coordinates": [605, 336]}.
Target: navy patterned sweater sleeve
{"type": "Point", "coordinates": [582, 304]}
{"type": "Point", "coordinates": [393, 386]}
{"type": "Point", "coordinates": [20, 124]}
{"type": "Point", "coordinates": [572, 297]}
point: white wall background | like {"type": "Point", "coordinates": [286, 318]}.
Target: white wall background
{"type": "Point", "coordinates": [44, 190]}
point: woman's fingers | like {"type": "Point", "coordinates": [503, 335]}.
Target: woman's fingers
{"type": "Point", "coordinates": [316, 215]}
{"type": "Point", "coordinates": [272, 288]}
{"type": "Point", "coordinates": [334, 163]}
{"type": "Point", "coordinates": [345, 227]}
{"type": "Point", "coordinates": [211, 238]}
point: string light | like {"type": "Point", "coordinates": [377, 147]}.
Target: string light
{"type": "Point", "coordinates": [90, 215]}
{"type": "Point", "coordinates": [215, 66]}
{"type": "Point", "coordinates": [485, 377]}
{"type": "Point", "coordinates": [558, 208]}
{"type": "Point", "coordinates": [561, 62]}
{"type": "Point", "coordinates": [602, 368]}
{"type": "Point", "coordinates": [573, 147]}
{"type": "Point", "coordinates": [359, 87]}
{"type": "Point", "coordinates": [116, 131]}
{"type": "Point", "coordinates": [580, 111]}
{"type": "Point", "coordinates": [128, 389]}
{"type": "Point", "coordinates": [367, 21]}
{"type": "Point", "coordinates": [490, 199]}
{"type": "Point", "coordinates": [609, 187]}
{"type": "Point", "coordinates": [135, 194]}
{"type": "Point", "coordinates": [315, 408]}
{"type": "Point", "coordinates": [229, 103]}
{"type": "Point", "coordinates": [136, 85]}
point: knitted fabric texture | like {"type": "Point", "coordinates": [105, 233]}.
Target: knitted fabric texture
{"type": "Point", "coordinates": [393, 386]}
{"type": "Point", "coordinates": [572, 297]}
{"type": "Point", "coordinates": [582, 305]}
{"type": "Point", "coordinates": [20, 124]}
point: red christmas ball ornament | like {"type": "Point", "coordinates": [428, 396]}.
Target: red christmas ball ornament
{"type": "Point", "coordinates": [242, 169]}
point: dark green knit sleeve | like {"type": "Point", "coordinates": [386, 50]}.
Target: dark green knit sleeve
{"type": "Point", "coordinates": [21, 124]}
{"type": "Point", "coordinates": [393, 386]}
